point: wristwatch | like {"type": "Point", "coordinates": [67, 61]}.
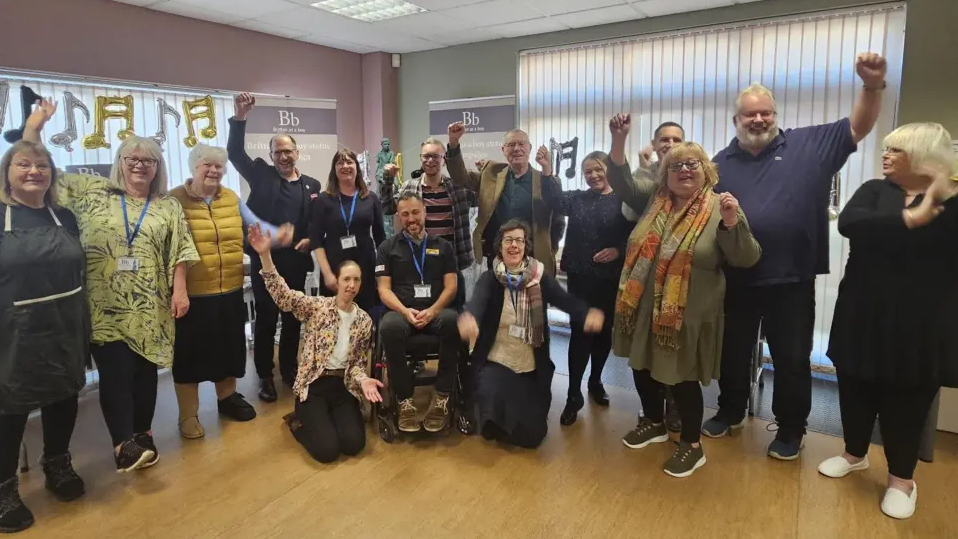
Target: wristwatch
{"type": "Point", "coordinates": [884, 85]}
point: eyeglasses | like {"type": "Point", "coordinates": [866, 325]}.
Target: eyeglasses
{"type": "Point", "coordinates": [691, 164]}
{"type": "Point", "coordinates": [507, 241]}
{"type": "Point", "coordinates": [514, 145]}
{"type": "Point", "coordinates": [284, 153]}
{"type": "Point", "coordinates": [764, 114]}
{"type": "Point", "coordinates": [431, 157]}
{"type": "Point", "coordinates": [146, 162]}
{"type": "Point", "coordinates": [892, 150]}
{"type": "Point", "coordinates": [27, 167]}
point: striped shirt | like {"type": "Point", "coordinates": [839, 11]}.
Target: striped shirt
{"type": "Point", "coordinates": [439, 220]}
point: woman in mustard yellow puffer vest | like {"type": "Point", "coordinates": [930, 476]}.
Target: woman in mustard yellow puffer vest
{"type": "Point", "coordinates": [211, 339]}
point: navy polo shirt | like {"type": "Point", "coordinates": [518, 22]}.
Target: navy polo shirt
{"type": "Point", "coordinates": [784, 193]}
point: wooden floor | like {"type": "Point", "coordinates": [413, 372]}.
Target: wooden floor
{"type": "Point", "coordinates": [253, 481]}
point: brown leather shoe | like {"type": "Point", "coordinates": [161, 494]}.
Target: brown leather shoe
{"type": "Point", "coordinates": [408, 416]}
{"type": "Point", "coordinates": [437, 417]}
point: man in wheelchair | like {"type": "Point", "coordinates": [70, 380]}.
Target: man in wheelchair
{"type": "Point", "coordinates": [417, 277]}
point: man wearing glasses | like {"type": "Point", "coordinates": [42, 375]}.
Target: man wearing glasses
{"type": "Point", "coordinates": [279, 194]}
{"type": "Point", "coordinates": [447, 206]}
{"type": "Point", "coordinates": [511, 190]}
{"type": "Point", "coordinates": [782, 179]}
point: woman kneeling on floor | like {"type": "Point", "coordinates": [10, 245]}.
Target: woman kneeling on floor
{"type": "Point", "coordinates": [337, 345]}
{"type": "Point", "coordinates": [507, 320]}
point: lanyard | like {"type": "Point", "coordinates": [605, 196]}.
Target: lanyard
{"type": "Point", "coordinates": [352, 211]}
{"type": "Point", "coordinates": [420, 267]}
{"type": "Point", "coordinates": [130, 236]}
{"type": "Point", "coordinates": [514, 291]}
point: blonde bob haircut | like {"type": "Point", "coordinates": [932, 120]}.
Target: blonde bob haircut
{"type": "Point", "coordinates": [754, 89]}
{"type": "Point", "coordinates": [204, 153]}
{"type": "Point", "coordinates": [160, 181]}
{"type": "Point", "coordinates": [684, 152]}
{"type": "Point", "coordinates": [36, 150]}
{"type": "Point", "coordinates": [927, 144]}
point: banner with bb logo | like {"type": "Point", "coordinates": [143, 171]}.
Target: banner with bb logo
{"type": "Point", "coordinates": [487, 119]}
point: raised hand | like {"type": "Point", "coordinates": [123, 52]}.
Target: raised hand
{"type": "Point", "coordinates": [871, 68]}
{"type": "Point", "coordinates": [620, 125]}
{"type": "Point", "coordinates": [390, 170]}
{"type": "Point", "coordinates": [243, 104]}
{"type": "Point", "coordinates": [728, 206]}
{"type": "Point", "coordinates": [544, 160]}
{"type": "Point", "coordinates": [41, 114]}
{"type": "Point", "coordinates": [258, 240]}
{"type": "Point", "coordinates": [455, 131]}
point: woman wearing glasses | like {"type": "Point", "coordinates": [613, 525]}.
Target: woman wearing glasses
{"type": "Point", "coordinates": [138, 247]}
{"type": "Point", "coordinates": [669, 310]}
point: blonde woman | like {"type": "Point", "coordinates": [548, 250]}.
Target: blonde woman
{"type": "Point", "coordinates": [138, 248]}
{"type": "Point", "coordinates": [893, 339]}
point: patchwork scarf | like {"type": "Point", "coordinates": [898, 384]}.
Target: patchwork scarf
{"type": "Point", "coordinates": [530, 312]}
{"type": "Point", "coordinates": [672, 238]}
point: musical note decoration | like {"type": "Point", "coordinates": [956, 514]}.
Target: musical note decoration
{"type": "Point", "coordinates": [27, 99]}
{"type": "Point", "coordinates": [563, 151]}
{"type": "Point", "coordinates": [4, 95]}
{"type": "Point", "coordinates": [199, 109]}
{"type": "Point", "coordinates": [110, 108]}
{"type": "Point", "coordinates": [65, 138]}
{"type": "Point", "coordinates": [162, 111]}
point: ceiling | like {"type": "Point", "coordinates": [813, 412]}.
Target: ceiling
{"type": "Point", "coordinates": [445, 23]}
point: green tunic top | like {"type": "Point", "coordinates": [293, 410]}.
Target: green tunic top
{"type": "Point", "coordinates": [699, 352]}
{"type": "Point", "coordinates": [129, 306]}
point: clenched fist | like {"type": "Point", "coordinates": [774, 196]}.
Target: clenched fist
{"type": "Point", "coordinates": [243, 104]}
{"type": "Point", "coordinates": [455, 131]}
{"type": "Point", "coordinates": [544, 160]}
{"type": "Point", "coordinates": [390, 170]}
{"type": "Point", "coordinates": [871, 68]}
{"type": "Point", "coordinates": [728, 206]}
{"type": "Point", "coordinates": [620, 125]}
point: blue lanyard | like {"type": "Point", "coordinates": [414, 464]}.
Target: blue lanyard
{"type": "Point", "coordinates": [130, 236]}
{"type": "Point", "coordinates": [514, 291]}
{"type": "Point", "coordinates": [352, 211]}
{"type": "Point", "coordinates": [420, 267]}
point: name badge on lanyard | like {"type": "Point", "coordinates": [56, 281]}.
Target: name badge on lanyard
{"type": "Point", "coordinates": [421, 290]}
{"type": "Point", "coordinates": [130, 263]}
{"type": "Point", "coordinates": [348, 241]}
{"type": "Point", "coordinates": [515, 330]}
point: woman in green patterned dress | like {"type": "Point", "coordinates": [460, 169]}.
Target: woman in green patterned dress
{"type": "Point", "coordinates": [138, 247]}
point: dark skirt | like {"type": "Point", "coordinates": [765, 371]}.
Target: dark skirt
{"type": "Point", "coordinates": [512, 405]}
{"type": "Point", "coordinates": [211, 340]}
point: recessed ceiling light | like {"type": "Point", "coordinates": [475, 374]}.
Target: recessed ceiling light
{"type": "Point", "coordinates": [369, 10]}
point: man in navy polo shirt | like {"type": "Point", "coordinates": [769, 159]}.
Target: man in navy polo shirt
{"type": "Point", "coordinates": [782, 179]}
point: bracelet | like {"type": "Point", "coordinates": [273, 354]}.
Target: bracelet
{"type": "Point", "coordinates": [884, 85]}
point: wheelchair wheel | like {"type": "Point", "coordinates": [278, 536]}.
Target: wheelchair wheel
{"type": "Point", "coordinates": [464, 423]}
{"type": "Point", "coordinates": [387, 431]}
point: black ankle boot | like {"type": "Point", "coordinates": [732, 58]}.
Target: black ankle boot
{"type": "Point", "coordinates": [598, 394]}
{"type": "Point", "coordinates": [14, 516]}
{"type": "Point", "coordinates": [61, 479]}
{"type": "Point", "coordinates": [571, 411]}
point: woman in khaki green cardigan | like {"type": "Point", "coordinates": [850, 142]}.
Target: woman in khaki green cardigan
{"type": "Point", "coordinates": [669, 308]}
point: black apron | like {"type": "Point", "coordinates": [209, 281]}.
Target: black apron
{"type": "Point", "coordinates": [44, 317]}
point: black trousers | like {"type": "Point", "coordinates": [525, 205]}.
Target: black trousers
{"type": "Point", "coordinates": [901, 412]}
{"type": "Point", "coordinates": [395, 331]}
{"type": "Point", "coordinates": [600, 294]}
{"type": "Point", "coordinates": [58, 419]}
{"type": "Point", "coordinates": [127, 390]}
{"type": "Point", "coordinates": [688, 401]}
{"type": "Point", "coordinates": [787, 315]}
{"type": "Point", "coordinates": [292, 266]}
{"type": "Point", "coordinates": [330, 422]}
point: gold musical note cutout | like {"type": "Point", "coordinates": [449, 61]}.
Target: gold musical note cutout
{"type": "Point", "coordinates": [199, 109]}
{"type": "Point", "coordinates": [65, 138]}
{"type": "Point", "coordinates": [162, 111]}
{"type": "Point", "coordinates": [110, 108]}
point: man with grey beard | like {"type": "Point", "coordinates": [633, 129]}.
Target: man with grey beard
{"type": "Point", "coordinates": [782, 179]}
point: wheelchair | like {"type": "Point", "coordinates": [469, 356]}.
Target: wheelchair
{"type": "Point", "coordinates": [420, 349]}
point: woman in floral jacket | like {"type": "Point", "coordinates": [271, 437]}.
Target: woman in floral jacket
{"type": "Point", "coordinates": [337, 344]}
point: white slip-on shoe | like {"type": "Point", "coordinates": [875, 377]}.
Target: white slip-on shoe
{"type": "Point", "coordinates": [897, 504]}
{"type": "Point", "coordinates": [837, 467]}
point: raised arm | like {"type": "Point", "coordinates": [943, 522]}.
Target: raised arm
{"type": "Point", "coordinates": [387, 197]}
{"type": "Point", "coordinates": [250, 219]}
{"type": "Point", "coordinates": [735, 239]}
{"type": "Point", "coordinates": [633, 191]}
{"type": "Point", "coordinates": [871, 69]}
{"type": "Point", "coordinates": [236, 143]}
{"type": "Point", "coordinates": [291, 301]}
{"type": "Point", "coordinates": [458, 172]}
{"type": "Point", "coordinates": [39, 117]}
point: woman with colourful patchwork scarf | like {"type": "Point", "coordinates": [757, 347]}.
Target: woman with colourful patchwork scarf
{"type": "Point", "coordinates": [669, 309]}
{"type": "Point", "coordinates": [506, 321]}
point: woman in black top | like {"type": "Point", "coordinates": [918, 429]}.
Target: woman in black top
{"type": "Point", "coordinates": [347, 224]}
{"type": "Point", "coordinates": [592, 260]}
{"type": "Point", "coordinates": [893, 338]}
{"type": "Point", "coordinates": [44, 326]}
{"type": "Point", "coordinates": [506, 318]}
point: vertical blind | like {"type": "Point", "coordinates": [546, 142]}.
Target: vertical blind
{"type": "Point", "coordinates": [693, 77]}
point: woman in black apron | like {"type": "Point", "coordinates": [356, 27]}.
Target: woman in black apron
{"type": "Point", "coordinates": [44, 326]}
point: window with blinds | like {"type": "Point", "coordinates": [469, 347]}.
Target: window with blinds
{"type": "Point", "coordinates": [693, 77]}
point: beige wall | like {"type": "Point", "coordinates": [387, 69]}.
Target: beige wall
{"type": "Point", "coordinates": [929, 85]}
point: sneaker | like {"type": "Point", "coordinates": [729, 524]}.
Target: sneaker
{"type": "Point", "coordinates": [571, 411]}
{"type": "Point", "coordinates": [785, 448]}
{"type": "Point", "coordinates": [14, 515]}
{"type": "Point", "coordinates": [145, 440]}
{"type": "Point", "coordinates": [267, 390]}
{"type": "Point", "coordinates": [719, 426]}
{"type": "Point", "coordinates": [437, 417]}
{"type": "Point", "coordinates": [236, 408]}
{"type": "Point", "coordinates": [897, 504]}
{"type": "Point", "coordinates": [685, 460]}
{"type": "Point", "coordinates": [598, 394]}
{"type": "Point", "coordinates": [132, 457]}
{"type": "Point", "coordinates": [838, 467]}
{"type": "Point", "coordinates": [61, 479]}
{"type": "Point", "coordinates": [673, 422]}
{"type": "Point", "coordinates": [408, 416]}
{"type": "Point", "coordinates": [645, 433]}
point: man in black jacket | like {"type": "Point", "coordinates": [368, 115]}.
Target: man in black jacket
{"type": "Point", "coordinates": [278, 194]}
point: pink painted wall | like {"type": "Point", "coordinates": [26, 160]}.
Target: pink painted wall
{"type": "Point", "coordinates": [380, 101]}
{"type": "Point", "coordinates": [101, 38]}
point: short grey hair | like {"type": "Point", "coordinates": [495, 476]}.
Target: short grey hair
{"type": "Point", "coordinates": [160, 181]}
{"type": "Point", "coordinates": [925, 143]}
{"type": "Point", "coordinates": [515, 132]}
{"type": "Point", "coordinates": [755, 88]}
{"type": "Point", "coordinates": [205, 153]}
